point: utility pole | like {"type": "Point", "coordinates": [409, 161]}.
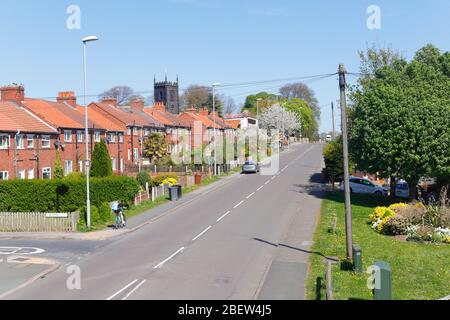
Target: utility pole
{"type": "Point", "coordinates": [334, 127]}
{"type": "Point", "coordinates": [348, 206]}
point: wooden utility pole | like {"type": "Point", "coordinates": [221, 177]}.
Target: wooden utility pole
{"type": "Point", "coordinates": [348, 206]}
{"type": "Point", "coordinates": [334, 127]}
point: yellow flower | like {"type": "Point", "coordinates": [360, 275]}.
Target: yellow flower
{"type": "Point", "coordinates": [396, 206]}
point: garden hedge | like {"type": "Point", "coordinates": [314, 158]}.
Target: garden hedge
{"type": "Point", "coordinates": [66, 195]}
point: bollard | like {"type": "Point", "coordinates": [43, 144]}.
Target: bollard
{"type": "Point", "coordinates": [357, 258]}
{"type": "Point", "coordinates": [383, 282]}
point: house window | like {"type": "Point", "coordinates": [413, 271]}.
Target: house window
{"type": "Point", "coordinates": [30, 141]}
{"type": "Point", "coordinates": [120, 137]}
{"type": "Point", "coordinates": [20, 142]}
{"type": "Point", "coordinates": [129, 154]}
{"type": "Point", "coordinates": [80, 165]}
{"type": "Point", "coordinates": [67, 136]}
{"type": "Point", "coordinates": [4, 141]}
{"type": "Point", "coordinates": [114, 164]}
{"type": "Point", "coordinates": [146, 132]}
{"type": "Point", "coordinates": [122, 169]}
{"type": "Point", "coordinates": [4, 175]}
{"type": "Point", "coordinates": [46, 142]}
{"type": "Point", "coordinates": [79, 136]}
{"type": "Point", "coordinates": [21, 174]}
{"type": "Point", "coordinates": [68, 167]}
{"type": "Point", "coordinates": [30, 174]}
{"type": "Point", "coordinates": [135, 131]}
{"type": "Point", "coordinates": [111, 137]}
{"type": "Point", "coordinates": [136, 154]}
{"type": "Point", "coordinates": [46, 173]}
{"type": "Point", "coordinates": [129, 131]}
{"type": "Point", "coordinates": [97, 136]}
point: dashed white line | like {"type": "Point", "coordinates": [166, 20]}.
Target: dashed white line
{"type": "Point", "coordinates": [236, 206]}
{"type": "Point", "coordinates": [134, 290]}
{"type": "Point", "coordinates": [122, 290]}
{"type": "Point", "coordinates": [267, 182]}
{"type": "Point", "coordinates": [260, 188]}
{"type": "Point", "coordinates": [202, 233]}
{"type": "Point", "coordinates": [250, 195]}
{"type": "Point", "coordinates": [220, 219]}
{"type": "Point", "coordinates": [169, 258]}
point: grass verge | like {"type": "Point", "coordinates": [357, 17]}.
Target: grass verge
{"type": "Point", "coordinates": [419, 271]}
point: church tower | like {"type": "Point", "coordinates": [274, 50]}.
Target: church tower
{"type": "Point", "coordinates": [167, 93]}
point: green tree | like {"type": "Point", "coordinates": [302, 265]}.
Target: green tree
{"type": "Point", "coordinates": [334, 162]}
{"type": "Point", "coordinates": [267, 100]}
{"type": "Point", "coordinates": [101, 161]}
{"type": "Point", "coordinates": [155, 147]}
{"type": "Point", "coordinates": [59, 171]}
{"type": "Point", "coordinates": [400, 117]}
{"type": "Point", "coordinates": [306, 116]}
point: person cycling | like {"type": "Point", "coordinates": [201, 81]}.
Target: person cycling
{"type": "Point", "coordinates": [121, 221]}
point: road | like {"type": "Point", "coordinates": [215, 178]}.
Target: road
{"type": "Point", "coordinates": [244, 240]}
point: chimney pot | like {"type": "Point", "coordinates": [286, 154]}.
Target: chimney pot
{"type": "Point", "coordinates": [110, 100]}
{"type": "Point", "coordinates": [67, 97]}
{"type": "Point", "coordinates": [13, 93]}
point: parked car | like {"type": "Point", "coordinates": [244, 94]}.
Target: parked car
{"type": "Point", "coordinates": [362, 185]}
{"type": "Point", "coordinates": [402, 189]}
{"type": "Point", "coordinates": [328, 138]}
{"type": "Point", "coordinates": [250, 167]}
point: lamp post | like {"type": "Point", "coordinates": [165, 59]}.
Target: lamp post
{"type": "Point", "coordinates": [86, 132]}
{"type": "Point", "coordinates": [214, 85]}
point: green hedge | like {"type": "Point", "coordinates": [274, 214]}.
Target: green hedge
{"type": "Point", "coordinates": [66, 195]}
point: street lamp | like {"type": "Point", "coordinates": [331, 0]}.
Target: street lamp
{"type": "Point", "coordinates": [214, 85]}
{"type": "Point", "coordinates": [86, 132]}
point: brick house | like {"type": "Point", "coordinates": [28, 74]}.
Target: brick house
{"type": "Point", "coordinates": [27, 143]}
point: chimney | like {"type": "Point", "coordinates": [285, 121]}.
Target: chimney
{"type": "Point", "coordinates": [137, 105]}
{"type": "Point", "coordinates": [13, 93]}
{"type": "Point", "coordinates": [67, 97]}
{"type": "Point", "coordinates": [204, 112]}
{"type": "Point", "coordinates": [191, 110]}
{"type": "Point", "coordinates": [110, 100]}
{"type": "Point", "coordinates": [159, 106]}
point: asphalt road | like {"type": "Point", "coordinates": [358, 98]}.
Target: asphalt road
{"type": "Point", "coordinates": [237, 242]}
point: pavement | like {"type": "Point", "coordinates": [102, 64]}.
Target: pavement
{"type": "Point", "coordinates": [246, 237]}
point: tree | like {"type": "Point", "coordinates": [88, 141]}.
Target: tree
{"type": "Point", "coordinates": [120, 93]}
{"type": "Point", "coordinates": [334, 162]}
{"type": "Point", "coordinates": [277, 117]}
{"type": "Point", "coordinates": [400, 117]}
{"type": "Point", "coordinates": [155, 147]}
{"type": "Point", "coordinates": [267, 100]}
{"type": "Point", "coordinates": [59, 171]}
{"type": "Point", "coordinates": [300, 90]}
{"type": "Point", "coordinates": [305, 115]}
{"type": "Point", "coordinates": [135, 97]}
{"type": "Point", "coordinates": [229, 105]}
{"type": "Point", "coordinates": [101, 161]}
{"type": "Point", "coordinates": [201, 97]}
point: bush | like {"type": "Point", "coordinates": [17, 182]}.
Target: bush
{"type": "Point", "coordinates": [160, 179]}
{"type": "Point", "coordinates": [67, 195]}
{"type": "Point", "coordinates": [101, 161]}
{"type": "Point", "coordinates": [105, 212]}
{"type": "Point", "coordinates": [95, 216]}
{"type": "Point", "coordinates": [396, 226]}
{"type": "Point", "coordinates": [143, 178]}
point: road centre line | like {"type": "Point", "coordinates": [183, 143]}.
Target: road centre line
{"type": "Point", "coordinates": [260, 188]}
{"type": "Point", "coordinates": [250, 195]}
{"type": "Point", "coordinates": [220, 219]}
{"type": "Point", "coordinates": [267, 182]}
{"type": "Point", "coordinates": [169, 258]}
{"type": "Point", "coordinates": [236, 206]}
{"type": "Point", "coordinates": [123, 289]}
{"type": "Point", "coordinates": [202, 233]}
{"type": "Point", "coordinates": [134, 290]}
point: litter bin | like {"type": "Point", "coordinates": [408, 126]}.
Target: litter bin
{"type": "Point", "coordinates": [198, 179]}
{"type": "Point", "coordinates": [173, 193]}
{"type": "Point", "coordinates": [179, 191]}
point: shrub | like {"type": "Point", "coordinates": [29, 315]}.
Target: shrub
{"type": "Point", "coordinates": [143, 178]}
{"type": "Point", "coordinates": [95, 215]}
{"type": "Point", "coordinates": [67, 195]}
{"type": "Point", "coordinates": [105, 212]}
{"type": "Point", "coordinates": [101, 161]}
{"type": "Point", "coordinates": [162, 179]}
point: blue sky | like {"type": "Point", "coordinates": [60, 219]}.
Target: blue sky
{"type": "Point", "coordinates": [205, 41]}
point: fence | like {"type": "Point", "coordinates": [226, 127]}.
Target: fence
{"type": "Point", "coordinates": [180, 169]}
{"type": "Point", "coordinates": [38, 222]}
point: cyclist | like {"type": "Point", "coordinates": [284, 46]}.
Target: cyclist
{"type": "Point", "coordinates": [121, 221]}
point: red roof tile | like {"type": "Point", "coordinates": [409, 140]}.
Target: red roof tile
{"type": "Point", "coordinates": [13, 117]}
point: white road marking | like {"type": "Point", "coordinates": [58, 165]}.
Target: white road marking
{"type": "Point", "coordinates": [123, 289]}
{"type": "Point", "coordinates": [134, 290]}
{"type": "Point", "coordinates": [250, 195]}
{"type": "Point", "coordinates": [169, 258]}
{"type": "Point", "coordinates": [260, 188]}
{"type": "Point", "coordinates": [273, 178]}
{"type": "Point", "coordinates": [267, 182]}
{"type": "Point", "coordinates": [220, 219]}
{"type": "Point", "coordinates": [202, 233]}
{"type": "Point", "coordinates": [236, 206]}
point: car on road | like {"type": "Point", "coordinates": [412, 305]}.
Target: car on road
{"type": "Point", "coordinates": [329, 138]}
{"type": "Point", "coordinates": [250, 167]}
{"type": "Point", "coordinates": [365, 186]}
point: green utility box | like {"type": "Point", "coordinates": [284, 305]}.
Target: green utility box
{"type": "Point", "coordinates": [383, 283]}
{"type": "Point", "coordinates": [357, 258]}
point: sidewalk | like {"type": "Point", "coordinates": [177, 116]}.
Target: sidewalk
{"type": "Point", "coordinates": [133, 223]}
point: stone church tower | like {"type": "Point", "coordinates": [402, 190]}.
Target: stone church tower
{"type": "Point", "coordinates": [167, 93]}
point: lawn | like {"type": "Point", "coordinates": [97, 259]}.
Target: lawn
{"type": "Point", "coordinates": [419, 271]}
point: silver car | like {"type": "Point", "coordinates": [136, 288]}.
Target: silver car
{"type": "Point", "coordinates": [250, 167]}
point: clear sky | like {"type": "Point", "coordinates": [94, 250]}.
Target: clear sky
{"type": "Point", "coordinates": [205, 41]}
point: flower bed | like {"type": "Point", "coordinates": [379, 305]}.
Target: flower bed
{"type": "Point", "coordinates": [416, 222]}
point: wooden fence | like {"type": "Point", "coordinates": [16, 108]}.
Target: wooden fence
{"type": "Point", "coordinates": [38, 222]}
